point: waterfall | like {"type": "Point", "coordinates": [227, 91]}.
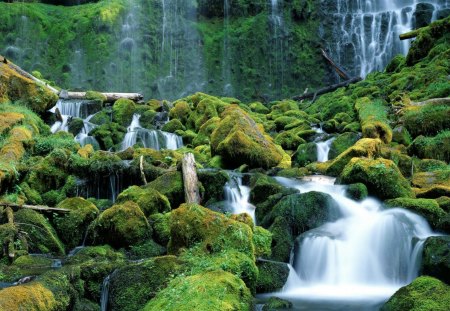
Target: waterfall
{"type": "Point", "coordinates": [83, 109]}
{"type": "Point", "coordinates": [277, 57]}
{"type": "Point", "coordinates": [363, 257]}
{"type": "Point", "coordinates": [323, 148]}
{"type": "Point", "coordinates": [364, 34]}
{"type": "Point", "coordinates": [154, 139]}
{"type": "Point", "coordinates": [105, 294]}
{"type": "Point", "coordinates": [226, 58]}
{"type": "Point", "coordinates": [237, 196]}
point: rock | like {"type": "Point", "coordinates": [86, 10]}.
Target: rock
{"type": "Point", "coordinates": [121, 226]}
{"type": "Point", "coordinates": [382, 177]}
{"type": "Point", "coordinates": [213, 182]}
{"type": "Point", "coordinates": [424, 293]}
{"type": "Point", "coordinates": [262, 186]}
{"type": "Point", "coordinates": [427, 208]}
{"type": "Point", "coordinates": [427, 120]}
{"type": "Point", "coordinates": [423, 15]}
{"type": "Point", "coordinates": [72, 227]}
{"type": "Point", "coordinates": [276, 303]}
{"type": "Point", "coordinates": [199, 292]}
{"type": "Point", "coordinates": [401, 135]}
{"type": "Point", "coordinates": [342, 143]}
{"type": "Point", "coordinates": [357, 191]}
{"type": "Point", "coordinates": [305, 154]}
{"type": "Point", "coordinates": [262, 240]}
{"type": "Point", "coordinates": [170, 185]}
{"type": "Point", "coordinates": [437, 147]}
{"type": "Point", "coordinates": [436, 258]}
{"type": "Point", "coordinates": [239, 140]}
{"type": "Point", "coordinates": [123, 110]}
{"type": "Point", "coordinates": [161, 227]}
{"type": "Point", "coordinates": [282, 240]}
{"type": "Point", "coordinates": [272, 276]}
{"type": "Point", "coordinates": [173, 125]}
{"type": "Point", "coordinates": [150, 201]}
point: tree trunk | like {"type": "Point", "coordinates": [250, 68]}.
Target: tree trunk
{"type": "Point", "coordinates": [190, 179]}
{"type": "Point", "coordinates": [110, 97]}
{"type": "Point", "coordinates": [38, 208]}
{"type": "Point", "coordinates": [326, 89]}
{"type": "Point", "coordinates": [410, 35]}
{"type": "Point", "coordinates": [340, 71]}
{"type": "Point", "coordinates": [141, 167]}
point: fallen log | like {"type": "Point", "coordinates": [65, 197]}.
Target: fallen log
{"type": "Point", "coordinates": [327, 89]}
{"type": "Point", "coordinates": [39, 208]}
{"type": "Point", "coordinates": [110, 97]}
{"type": "Point", "coordinates": [340, 71]}
{"type": "Point", "coordinates": [435, 101]}
{"type": "Point", "coordinates": [410, 35]}
{"type": "Point", "coordinates": [190, 179]}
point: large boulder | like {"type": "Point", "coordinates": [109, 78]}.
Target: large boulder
{"type": "Point", "coordinates": [382, 177]}
{"type": "Point", "coordinates": [272, 276]}
{"type": "Point", "coordinates": [342, 143]}
{"type": "Point", "coordinates": [150, 201]}
{"type": "Point", "coordinates": [436, 258]}
{"type": "Point", "coordinates": [171, 186]}
{"type": "Point", "coordinates": [305, 154]}
{"type": "Point", "coordinates": [263, 186]}
{"type": "Point", "coordinates": [424, 293]}
{"type": "Point", "coordinates": [239, 140]}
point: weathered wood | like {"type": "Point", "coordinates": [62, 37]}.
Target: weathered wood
{"type": "Point", "coordinates": [410, 35]}
{"type": "Point", "coordinates": [434, 101]}
{"type": "Point", "coordinates": [9, 240]}
{"type": "Point", "coordinates": [326, 89]}
{"type": "Point", "coordinates": [40, 208]}
{"type": "Point", "coordinates": [141, 167]}
{"type": "Point", "coordinates": [340, 71]}
{"type": "Point", "coordinates": [110, 97]}
{"type": "Point", "coordinates": [190, 179]}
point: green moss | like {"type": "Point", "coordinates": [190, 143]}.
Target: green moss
{"type": "Point", "coordinates": [427, 120]}
{"type": "Point", "coordinates": [436, 258]}
{"type": "Point", "coordinates": [423, 294]}
{"type": "Point", "coordinates": [161, 228]}
{"type": "Point", "coordinates": [275, 303]}
{"type": "Point", "coordinates": [173, 125]}
{"type": "Point", "coordinates": [121, 226]}
{"type": "Point", "coordinates": [262, 239]}
{"type": "Point", "coordinates": [289, 140]}
{"type": "Point", "coordinates": [401, 135]}
{"type": "Point", "coordinates": [109, 134]}
{"type": "Point", "coordinates": [342, 143]}
{"type": "Point", "coordinates": [213, 182]}
{"type": "Point", "coordinates": [259, 108]}
{"type": "Point", "coordinates": [272, 276]}
{"type": "Point", "coordinates": [220, 289]}
{"type": "Point", "coordinates": [427, 208]}
{"type": "Point", "coordinates": [382, 177]}
{"type": "Point", "coordinates": [357, 191]}
{"type": "Point", "coordinates": [437, 147]}
{"type": "Point", "coordinates": [396, 64]}
{"type": "Point", "coordinates": [93, 95]}
{"type": "Point", "coordinates": [373, 118]}
{"type": "Point", "coordinates": [262, 186]}
{"type": "Point", "coordinates": [170, 185]}
{"type": "Point", "coordinates": [150, 201]}
{"type": "Point", "coordinates": [33, 297]}
{"type": "Point", "coordinates": [123, 110]}
{"type": "Point", "coordinates": [146, 250]}
{"type": "Point", "coordinates": [282, 239]}
{"type": "Point", "coordinates": [305, 154]}
{"type": "Point", "coordinates": [72, 227]}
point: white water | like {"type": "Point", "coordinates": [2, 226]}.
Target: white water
{"type": "Point", "coordinates": [365, 33]}
{"type": "Point", "coordinates": [237, 196]}
{"type": "Point", "coordinates": [364, 256]}
{"type": "Point", "coordinates": [105, 293]}
{"type": "Point", "coordinates": [323, 148]}
{"type": "Point", "coordinates": [154, 139]}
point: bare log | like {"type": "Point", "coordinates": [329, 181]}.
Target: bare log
{"type": "Point", "coordinates": [190, 179]}
{"type": "Point", "coordinates": [434, 101]}
{"type": "Point", "coordinates": [327, 89]}
{"type": "Point", "coordinates": [39, 208]}
{"type": "Point", "coordinates": [410, 35]}
{"type": "Point", "coordinates": [110, 97]}
{"type": "Point", "coordinates": [141, 166]}
{"type": "Point", "coordinates": [340, 71]}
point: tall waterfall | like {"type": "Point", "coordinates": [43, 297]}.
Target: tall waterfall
{"type": "Point", "coordinates": [237, 196]}
{"type": "Point", "coordinates": [364, 34]}
{"type": "Point", "coordinates": [154, 139]}
{"type": "Point", "coordinates": [226, 57]}
{"type": "Point", "coordinates": [361, 258]}
{"type": "Point", "coordinates": [277, 59]}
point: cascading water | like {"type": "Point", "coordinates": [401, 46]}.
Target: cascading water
{"type": "Point", "coordinates": [226, 58]}
{"type": "Point", "coordinates": [323, 148]}
{"type": "Point", "coordinates": [105, 294]}
{"type": "Point", "coordinates": [358, 261]}
{"type": "Point", "coordinates": [277, 58]}
{"type": "Point", "coordinates": [237, 196]}
{"type": "Point", "coordinates": [364, 34]}
{"type": "Point", "coordinates": [154, 139]}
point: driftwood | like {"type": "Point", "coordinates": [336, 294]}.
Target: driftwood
{"type": "Point", "coordinates": [110, 97]}
{"type": "Point", "coordinates": [327, 89]}
{"type": "Point", "coordinates": [141, 167]}
{"type": "Point", "coordinates": [340, 71]}
{"type": "Point", "coordinates": [190, 179]}
{"type": "Point", "coordinates": [39, 208]}
{"type": "Point", "coordinates": [435, 101]}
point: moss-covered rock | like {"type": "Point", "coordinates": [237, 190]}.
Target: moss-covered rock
{"type": "Point", "coordinates": [213, 182]}
{"type": "Point", "coordinates": [289, 140]}
{"type": "Point", "coordinates": [173, 125]}
{"type": "Point", "coordinates": [341, 143]}
{"type": "Point", "coordinates": [262, 240]}
{"type": "Point", "coordinates": [123, 110]}
{"type": "Point", "coordinates": [305, 154]}
{"type": "Point", "coordinates": [170, 185]}
{"type": "Point", "coordinates": [161, 228]}
{"type": "Point", "coordinates": [239, 140]}
{"type": "Point", "coordinates": [220, 289]}
{"type": "Point", "coordinates": [275, 303]}
{"type": "Point", "coordinates": [72, 226]}
{"type": "Point", "coordinates": [33, 297]}
{"type": "Point", "coordinates": [262, 186]}
{"type": "Point", "coordinates": [436, 258]}
{"type": "Point", "coordinates": [427, 120]}
{"type": "Point", "coordinates": [357, 191]}
{"type": "Point", "coordinates": [437, 147]}
{"type": "Point", "coordinates": [109, 135]}
{"type": "Point", "coordinates": [272, 276]}
{"type": "Point", "coordinates": [121, 226]}
{"type": "Point", "coordinates": [382, 177]}
{"type": "Point", "coordinates": [132, 286]}
{"type": "Point", "coordinates": [150, 201]}
{"type": "Point", "coordinates": [424, 293]}
{"type": "Point", "coordinates": [427, 208]}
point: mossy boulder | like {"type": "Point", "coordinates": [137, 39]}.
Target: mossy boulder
{"type": "Point", "coordinates": [121, 226]}
{"type": "Point", "coordinates": [262, 186]}
{"type": "Point", "coordinates": [213, 182]}
{"type": "Point", "coordinates": [33, 297]}
{"type": "Point", "coordinates": [436, 258]}
{"type": "Point", "coordinates": [170, 185]}
{"type": "Point", "coordinates": [109, 134]}
{"type": "Point", "coordinates": [262, 240]}
{"type": "Point", "coordinates": [132, 286]}
{"type": "Point", "coordinates": [150, 201]}
{"type": "Point", "coordinates": [437, 147]}
{"type": "Point", "coordinates": [357, 191]}
{"type": "Point", "coordinates": [272, 276]}
{"type": "Point", "coordinates": [161, 228]}
{"type": "Point", "coordinates": [427, 208]}
{"type": "Point", "coordinates": [239, 140]}
{"type": "Point", "coordinates": [373, 118]}
{"type": "Point", "coordinates": [305, 154]}
{"type": "Point", "coordinates": [427, 120]}
{"type": "Point", "coordinates": [275, 303]}
{"type": "Point", "coordinates": [220, 289]}
{"type": "Point", "coordinates": [382, 177]}
{"type": "Point", "coordinates": [41, 236]}
{"type": "Point", "coordinates": [72, 226]}
{"type": "Point", "coordinates": [289, 140]}
{"type": "Point", "coordinates": [123, 110]}
{"type": "Point", "coordinates": [423, 294]}
{"type": "Point", "coordinates": [341, 143]}
{"type": "Point", "coordinates": [173, 125]}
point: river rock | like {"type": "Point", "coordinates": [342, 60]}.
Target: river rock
{"type": "Point", "coordinates": [436, 258]}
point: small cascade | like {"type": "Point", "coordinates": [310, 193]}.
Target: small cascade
{"type": "Point", "coordinates": [237, 196]}
{"type": "Point", "coordinates": [323, 148]}
{"type": "Point", "coordinates": [83, 109]}
{"type": "Point", "coordinates": [154, 139]}
{"type": "Point", "coordinates": [362, 258]}
{"type": "Point", "coordinates": [105, 294]}
{"type": "Point", "coordinates": [364, 34]}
